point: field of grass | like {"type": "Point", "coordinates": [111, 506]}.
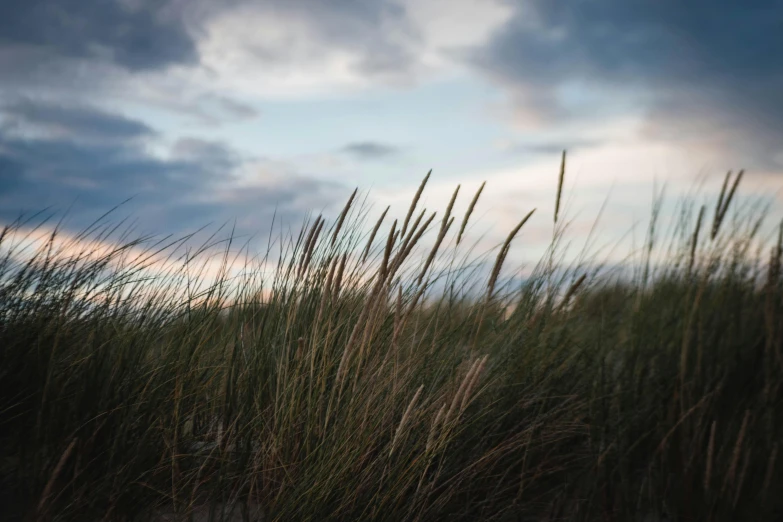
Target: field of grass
{"type": "Point", "coordinates": [355, 376]}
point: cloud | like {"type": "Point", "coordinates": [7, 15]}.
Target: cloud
{"type": "Point", "coordinates": [231, 107]}
{"type": "Point", "coordinates": [370, 150]}
{"type": "Point", "coordinates": [197, 183]}
{"type": "Point", "coordinates": [295, 47]}
{"type": "Point", "coordinates": [127, 53]}
{"type": "Point", "coordinates": [72, 121]}
{"type": "Point", "coordinates": [136, 37]}
{"type": "Point", "coordinates": [213, 155]}
{"type": "Point", "coordinates": [691, 66]}
{"type": "Point", "coordinates": [203, 59]}
{"type": "Point", "coordinates": [550, 149]}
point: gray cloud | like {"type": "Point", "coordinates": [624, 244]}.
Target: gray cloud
{"type": "Point", "coordinates": [550, 148]}
{"type": "Point", "coordinates": [232, 108]}
{"type": "Point", "coordinates": [149, 35]}
{"type": "Point", "coordinates": [693, 64]}
{"type": "Point", "coordinates": [199, 183]}
{"type": "Point", "coordinates": [136, 37]}
{"type": "Point", "coordinates": [360, 26]}
{"type": "Point", "coordinates": [77, 50]}
{"type": "Point", "coordinates": [81, 121]}
{"type": "Point", "coordinates": [370, 150]}
{"type": "Point", "coordinates": [60, 60]}
{"type": "Point", "coordinates": [212, 155]}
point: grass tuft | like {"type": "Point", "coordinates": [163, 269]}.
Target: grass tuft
{"type": "Point", "coordinates": [332, 378]}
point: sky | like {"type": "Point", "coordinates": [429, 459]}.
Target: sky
{"type": "Point", "coordinates": [209, 112]}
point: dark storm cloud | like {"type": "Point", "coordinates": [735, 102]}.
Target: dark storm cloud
{"type": "Point", "coordinates": [370, 150]}
{"type": "Point", "coordinates": [196, 185]}
{"type": "Point", "coordinates": [142, 37]}
{"type": "Point", "coordinates": [79, 121]}
{"type": "Point", "coordinates": [714, 61]}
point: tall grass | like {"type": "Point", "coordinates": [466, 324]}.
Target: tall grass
{"type": "Point", "coordinates": [390, 377]}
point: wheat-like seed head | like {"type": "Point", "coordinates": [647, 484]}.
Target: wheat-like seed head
{"type": "Point", "coordinates": [472, 384]}
{"type": "Point", "coordinates": [503, 253]}
{"type": "Point", "coordinates": [415, 202]}
{"type": "Point", "coordinates": [404, 419]}
{"type": "Point", "coordinates": [469, 212]}
{"type": "Point", "coordinates": [560, 185]}
{"type": "Point", "coordinates": [343, 214]}
{"type": "Point", "coordinates": [434, 429]}
{"type": "Point", "coordinates": [374, 232]}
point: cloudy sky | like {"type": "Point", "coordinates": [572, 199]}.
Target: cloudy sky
{"type": "Point", "coordinates": [207, 111]}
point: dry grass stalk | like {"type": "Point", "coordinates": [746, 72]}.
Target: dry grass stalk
{"type": "Point", "coordinates": [469, 212]}
{"type": "Point", "coordinates": [387, 253]}
{"type": "Point", "coordinates": [742, 475]}
{"type": "Point", "coordinates": [686, 339]}
{"type": "Point", "coordinates": [338, 281]}
{"type": "Point", "coordinates": [725, 201]}
{"type": "Point", "coordinates": [434, 429]}
{"type": "Point", "coordinates": [682, 419]}
{"type": "Point", "coordinates": [404, 419]}
{"type": "Point", "coordinates": [413, 304]}
{"type": "Point", "coordinates": [770, 470]}
{"type": "Point", "coordinates": [326, 291]}
{"type": "Point", "coordinates": [347, 350]}
{"type": "Point", "coordinates": [314, 230]}
{"type": "Point", "coordinates": [496, 273]}
{"type": "Point", "coordinates": [710, 455]}
{"type": "Point", "coordinates": [397, 316]}
{"type": "Point", "coordinates": [327, 295]}
{"type": "Point", "coordinates": [374, 300]}
{"type": "Point", "coordinates": [343, 214]}
{"type": "Point", "coordinates": [732, 192]}
{"type": "Point", "coordinates": [447, 215]}
{"type": "Point", "coordinates": [413, 228]}
{"type": "Point", "coordinates": [560, 179]}
{"type": "Point", "coordinates": [415, 202]}
{"type": "Point", "coordinates": [503, 253]}
{"type": "Point", "coordinates": [373, 322]}
{"type": "Point", "coordinates": [731, 474]}
{"type": "Point", "coordinates": [695, 240]}
{"type": "Point", "coordinates": [403, 253]}
{"type": "Point", "coordinates": [457, 399]}
{"type": "Point", "coordinates": [397, 236]}
{"type": "Point", "coordinates": [472, 384]}
{"type": "Point", "coordinates": [572, 290]}
{"type": "Point", "coordinates": [719, 206]}
{"type": "Point", "coordinates": [47, 492]}
{"type": "Point", "coordinates": [372, 235]}
{"type": "Point", "coordinates": [444, 228]}
{"type": "Point", "coordinates": [771, 319]}
{"type": "Point", "coordinates": [312, 245]}
{"type": "Point", "coordinates": [333, 262]}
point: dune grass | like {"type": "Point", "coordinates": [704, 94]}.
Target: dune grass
{"type": "Point", "coordinates": [394, 375]}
